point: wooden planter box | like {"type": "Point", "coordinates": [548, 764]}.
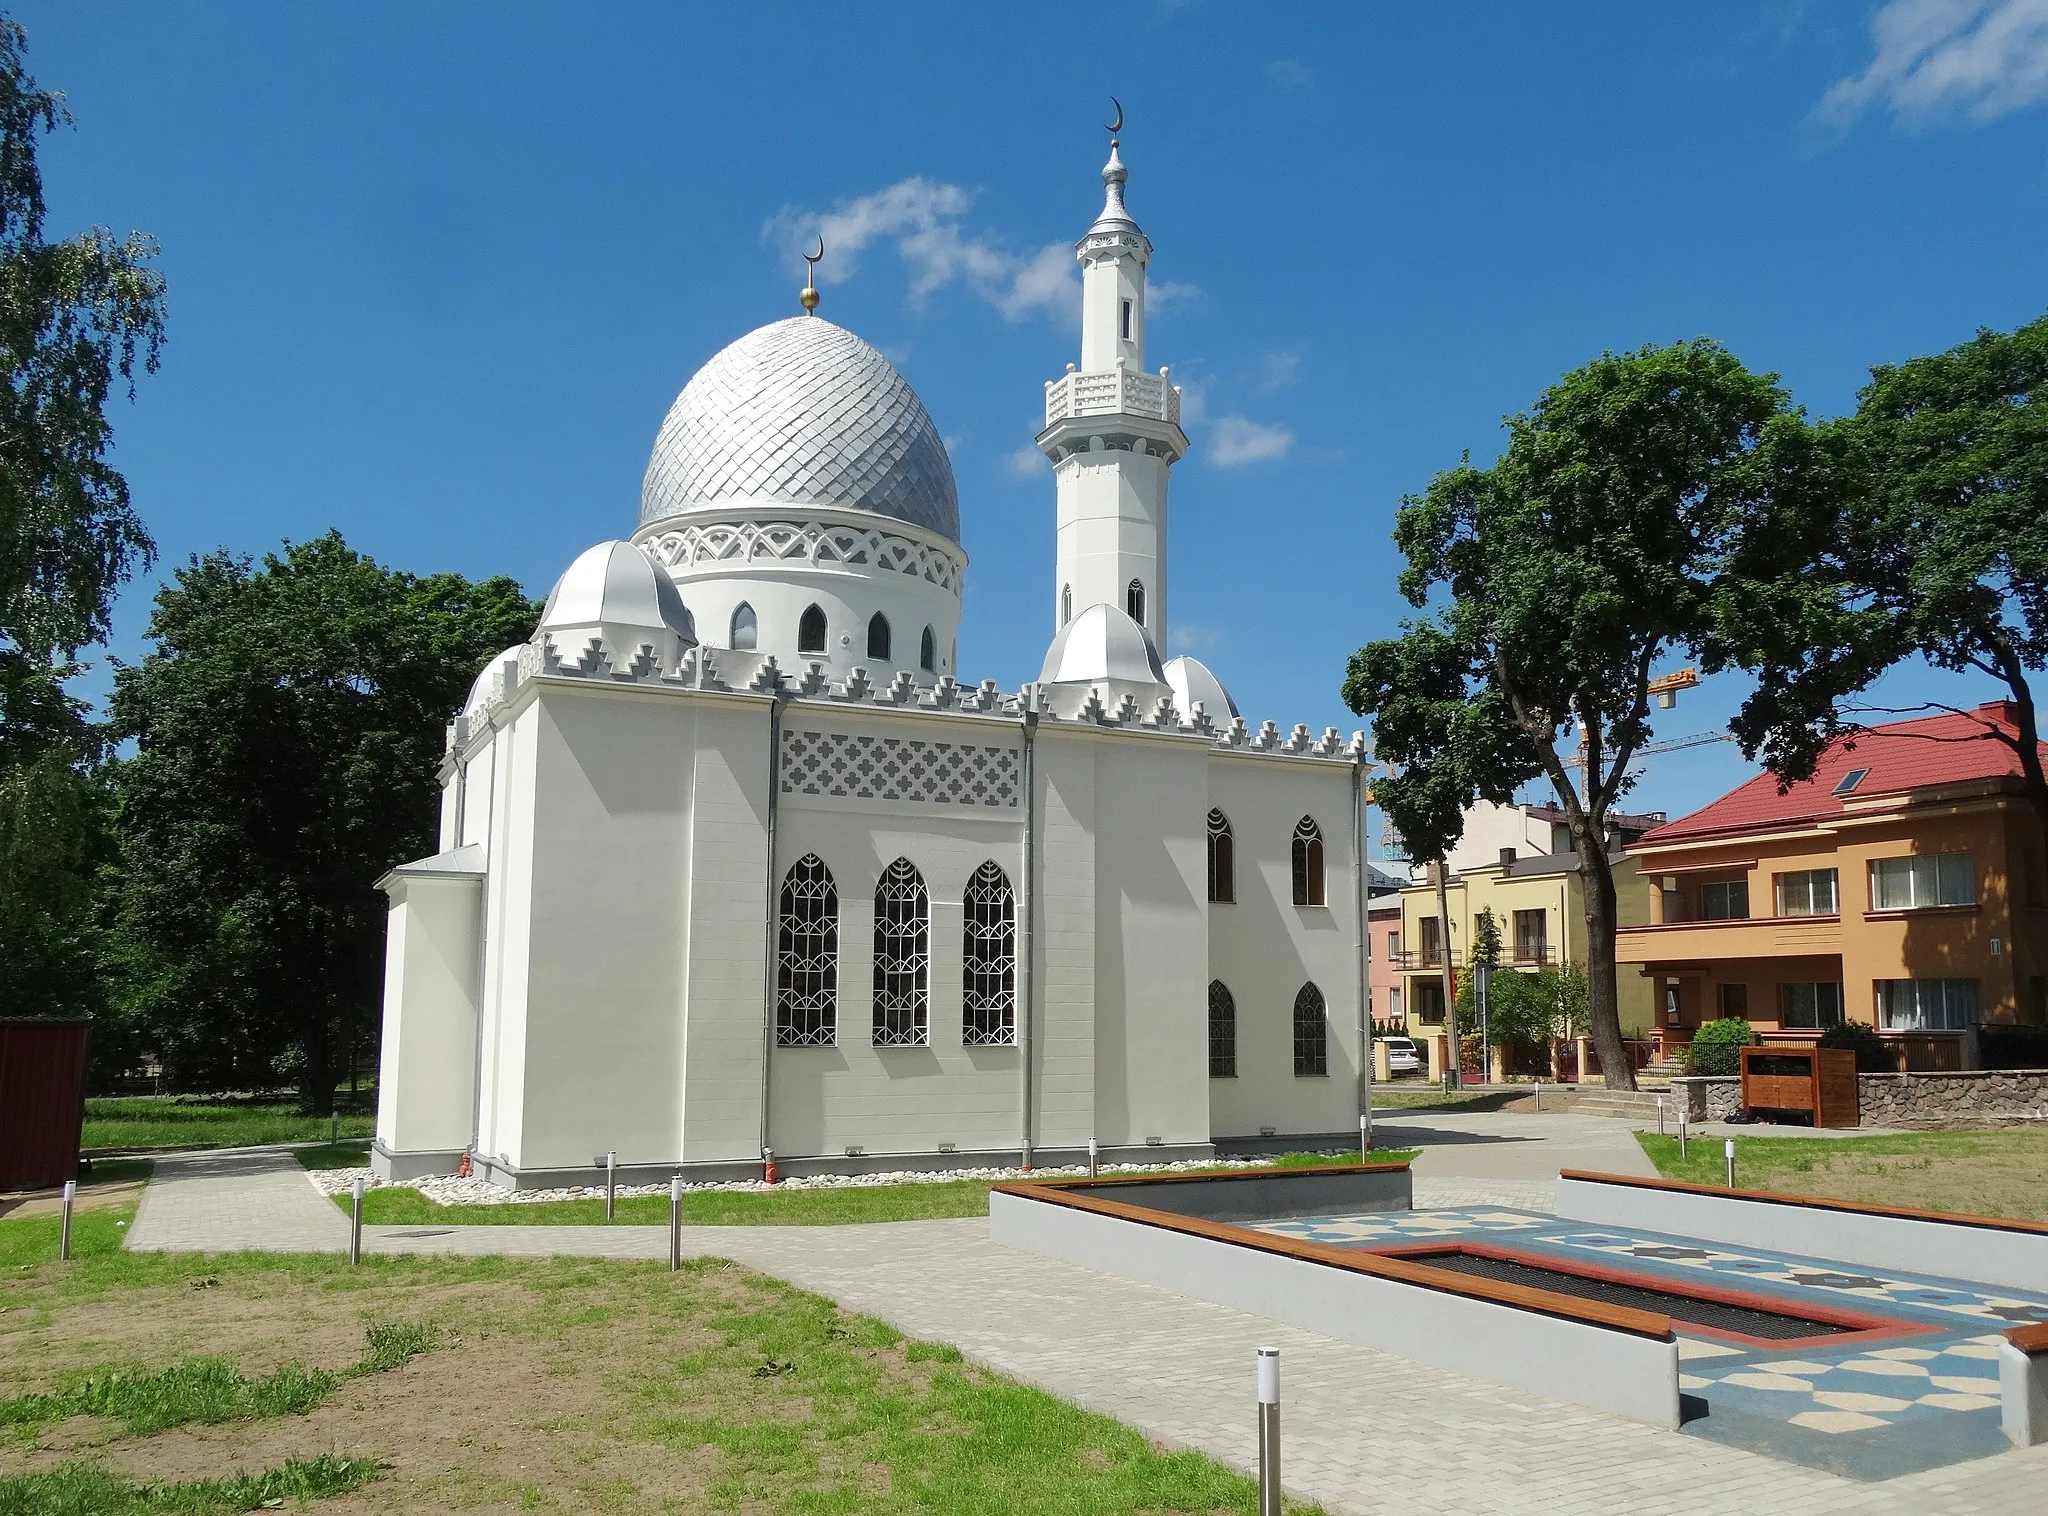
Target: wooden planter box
{"type": "Point", "coordinates": [1821, 1082]}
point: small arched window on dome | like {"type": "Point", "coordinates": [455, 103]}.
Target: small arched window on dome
{"type": "Point", "coordinates": [1222, 860]}
{"type": "Point", "coordinates": [1066, 604]}
{"type": "Point", "coordinates": [810, 631]}
{"type": "Point", "coordinates": [1308, 862]}
{"type": "Point", "coordinates": [928, 651]}
{"type": "Point", "coordinates": [1134, 601]}
{"type": "Point", "coordinates": [878, 637]}
{"type": "Point", "coordinates": [746, 629]}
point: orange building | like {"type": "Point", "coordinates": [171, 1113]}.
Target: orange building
{"type": "Point", "coordinates": [1902, 886]}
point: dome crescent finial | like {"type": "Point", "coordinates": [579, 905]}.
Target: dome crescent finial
{"type": "Point", "coordinates": [808, 297]}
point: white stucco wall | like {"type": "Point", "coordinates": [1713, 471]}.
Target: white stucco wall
{"type": "Point", "coordinates": [427, 1054]}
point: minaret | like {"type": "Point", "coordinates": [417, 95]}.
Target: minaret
{"type": "Point", "coordinates": [1112, 432]}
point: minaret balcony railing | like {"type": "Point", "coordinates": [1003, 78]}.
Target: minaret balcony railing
{"type": "Point", "coordinates": [1119, 392]}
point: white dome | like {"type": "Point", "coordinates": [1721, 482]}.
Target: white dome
{"type": "Point", "coordinates": [480, 691]}
{"type": "Point", "coordinates": [615, 584]}
{"type": "Point", "coordinates": [801, 412]}
{"type": "Point", "coordinates": [1102, 646]}
{"type": "Point", "coordinates": [1190, 681]}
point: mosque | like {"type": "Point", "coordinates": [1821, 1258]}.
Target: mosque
{"type": "Point", "coordinates": [734, 864]}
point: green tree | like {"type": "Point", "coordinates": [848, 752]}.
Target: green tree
{"type": "Point", "coordinates": [1601, 542]}
{"type": "Point", "coordinates": [1928, 509]}
{"type": "Point", "coordinates": [288, 724]}
{"type": "Point", "coordinates": [75, 317]}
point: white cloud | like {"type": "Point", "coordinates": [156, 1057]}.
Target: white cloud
{"type": "Point", "coordinates": [922, 220]}
{"type": "Point", "coordinates": [1984, 57]}
{"type": "Point", "coordinates": [1169, 295]}
{"type": "Point", "coordinates": [1186, 637]}
{"type": "Point", "coordinates": [1278, 370]}
{"type": "Point", "coordinates": [1289, 74]}
{"type": "Point", "coordinates": [1027, 462]}
{"type": "Point", "coordinates": [1236, 441]}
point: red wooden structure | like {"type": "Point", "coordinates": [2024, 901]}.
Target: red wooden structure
{"type": "Point", "coordinates": [42, 1101]}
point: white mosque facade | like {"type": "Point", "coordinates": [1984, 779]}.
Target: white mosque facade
{"type": "Point", "coordinates": [732, 862]}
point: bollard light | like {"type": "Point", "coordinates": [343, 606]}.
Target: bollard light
{"type": "Point", "coordinates": [1539, 1095]}
{"type": "Point", "coordinates": [355, 1221]}
{"type": "Point", "coordinates": [1660, 1115]}
{"type": "Point", "coordinates": [1094, 1157]}
{"type": "Point", "coordinates": [1728, 1151]}
{"type": "Point", "coordinates": [333, 1128]}
{"type": "Point", "coordinates": [1269, 1432]}
{"type": "Point", "coordinates": [1365, 1136]}
{"type": "Point", "coordinates": [64, 1229]}
{"type": "Point", "coordinates": [611, 1184]}
{"type": "Point", "coordinates": [1681, 1131]}
{"type": "Point", "coordinates": [675, 1223]}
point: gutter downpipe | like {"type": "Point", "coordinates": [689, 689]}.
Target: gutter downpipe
{"type": "Point", "coordinates": [1362, 893]}
{"type": "Point", "coordinates": [768, 957]}
{"type": "Point", "coordinates": [1027, 989]}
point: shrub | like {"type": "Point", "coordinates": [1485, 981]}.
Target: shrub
{"type": "Point", "coordinates": [1717, 1047]}
{"type": "Point", "coordinates": [1872, 1056]}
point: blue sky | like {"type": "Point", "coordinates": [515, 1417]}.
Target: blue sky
{"type": "Point", "coordinates": [436, 272]}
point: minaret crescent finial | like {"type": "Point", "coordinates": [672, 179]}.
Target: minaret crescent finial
{"type": "Point", "coordinates": [809, 296]}
{"type": "Point", "coordinates": [1117, 125]}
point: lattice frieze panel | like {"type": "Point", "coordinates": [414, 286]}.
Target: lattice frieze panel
{"type": "Point", "coordinates": [859, 767]}
{"type": "Point", "coordinates": [752, 542]}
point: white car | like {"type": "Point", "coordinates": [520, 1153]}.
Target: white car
{"type": "Point", "coordinates": [1401, 1056]}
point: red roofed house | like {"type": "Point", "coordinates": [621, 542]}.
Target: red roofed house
{"type": "Point", "coordinates": [1902, 886]}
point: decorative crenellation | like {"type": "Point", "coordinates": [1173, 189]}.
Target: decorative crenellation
{"type": "Point", "coordinates": [859, 766]}
{"type": "Point", "coordinates": [727, 671]}
{"type": "Point", "coordinates": [742, 543]}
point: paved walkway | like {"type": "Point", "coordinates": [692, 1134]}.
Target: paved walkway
{"type": "Point", "coordinates": [1365, 1432]}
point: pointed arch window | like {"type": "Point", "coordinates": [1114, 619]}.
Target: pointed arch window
{"type": "Point", "coordinates": [1222, 1032]}
{"type": "Point", "coordinates": [988, 952]}
{"type": "Point", "coordinates": [928, 651]}
{"type": "Point", "coordinates": [810, 630]}
{"type": "Point", "coordinates": [1134, 601]}
{"type": "Point", "coordinates": [878, 637]}
{"type": "Point", "coordinates": [807, 957]}
{"type": "Point", "coordinates": [1222, 860]}
{"type": "Point", "coordinates": [1066, 604]}
{"type": "Point", "coordinates": [746, 629]}
{"type": "Point", "coordinates": [903, 913]}
{"type": "Point", "coordinates": [1308, 862]}
{"type": "Point", "coordinates": [1311, 1034]}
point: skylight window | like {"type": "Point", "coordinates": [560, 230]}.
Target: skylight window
{"type": "Point", "coordinates": [1850, 780]}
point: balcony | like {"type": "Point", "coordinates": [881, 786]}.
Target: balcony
{"type": "Point", "coordinates": [1120, 392]}
{"type": "Point", "coordinates": [1744, 937]}
{"type": "Point", "coordinates": [1530, 955]}
{"type": "Point", "coordinates": [1419, 960]}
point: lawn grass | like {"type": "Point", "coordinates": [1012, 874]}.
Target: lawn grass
{"type": "Point", "coordinates": [565, 1384]}
{"type": "Point", "coordinates": [400, 1205]}
{"type": "Point", "coordinates": [1427, 1094]}
{"type": "Point", "coordinates": [335, 1155]}
{"type": "Point", "coordinates": [2002, 1174]}
{"type": "Point", "coordinates": [143, 1122]}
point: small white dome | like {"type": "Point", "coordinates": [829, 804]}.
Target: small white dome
{"type": "Point", "coordinates": [1102, 646]}
{"type": "Point", "coordinates": [801, 412]}
{"type": "Point", "coordinates": [615, 584]}
{"type": "Point", "coordinates": [1191, 681]}
{"type": "Point", "coordinates": [481, 690]}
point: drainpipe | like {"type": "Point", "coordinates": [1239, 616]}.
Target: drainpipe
{"type": "Point", "coordinates": [1360, 891]}
{"type": "Point", "coordinates": [1027, 980]}
{"type": "Point", "coordinates": [768, 974]}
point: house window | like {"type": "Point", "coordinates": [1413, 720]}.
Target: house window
{"type": "Point", "coordinates": [1393, 947]}
{"type": "Point", "coordinates": [1222, 1032]}
{"type": "Point", "coordinates": [1809, 892]}
{"type": "Point", "coordinates": [1393, 1005]}
{"type": "Point", "coordinates": [807, 957]}
{"type": "Point", "coordinates": [1311, 1034]}
{"type": "Point", "coordinates": [928, 651]}
{"type": "Point", "coordinates": [1532, 936]}
{"type": "Point", "coordinates": [1725, 900]}
{"type": "Point", "coordinates": [878, 637]}
{"type": "Point", "coordinates": [1222, 860]}
{"type": "Point", "coordinates": [1734, 1001]}
{"type": "Point", "coordinates": [746, 629]}
{"type": "Point", "coordinates": [988, 953]}
{"type": "Point", "coordinates": [1066, 604]}
{"type": "Point", "coordinates": [1432, 942]}
{"type": "Point", "coordinates": [1428, 1001]}
{"type": "Point", "coordinates": [1308, 863]}
{"type": "Point", "coordinates": [1927, 879]}
{"type": "Point", "coordinates": [1127, 321]}
{"type": "Point", "coordinates": [1134, 601]}
{"type": "Point", "coordinates": [1926, 1005]}
{"type": "Point", "coordinates": [1810, 1007]}
{"type": "Point", "coordinates": [902, 962]}
{"type": "Point", "coordinates": [810, 631]}
{"type": "Point", "coordinates": [2033, 888]}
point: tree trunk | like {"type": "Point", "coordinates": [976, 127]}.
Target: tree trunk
{"type": "Point", "coordinates": [1603, 994]}
{"type": "Point", "coordinates": [2027, 720]}
{"type": "Point", "coordinates": [1456, 1057]}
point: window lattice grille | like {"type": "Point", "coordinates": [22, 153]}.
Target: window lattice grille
{"type": "Point", "coordinates": [807, 957]}
{"type": "Point", "coordinates": [1222, 1032]}
{"type": "Point", "coordinates": [988, 951]}
{"type": "Point", "coordinates": [902, 957]}
{"type": "Point", "coordinates": [1222, 859]}
{"type": "Point", "coordinates": [1308, 862]}
{"type": "Point", "coordinates": [1311, 1034]}
{"type": "Point", "coordinates": [861, 767]}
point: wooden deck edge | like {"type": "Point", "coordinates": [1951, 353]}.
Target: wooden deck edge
{"type": "Point", "coordinates": [1811, 1202]}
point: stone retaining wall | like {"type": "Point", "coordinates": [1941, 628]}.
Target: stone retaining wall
{"type": "Point", "coordinates": [1933, 1101]}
